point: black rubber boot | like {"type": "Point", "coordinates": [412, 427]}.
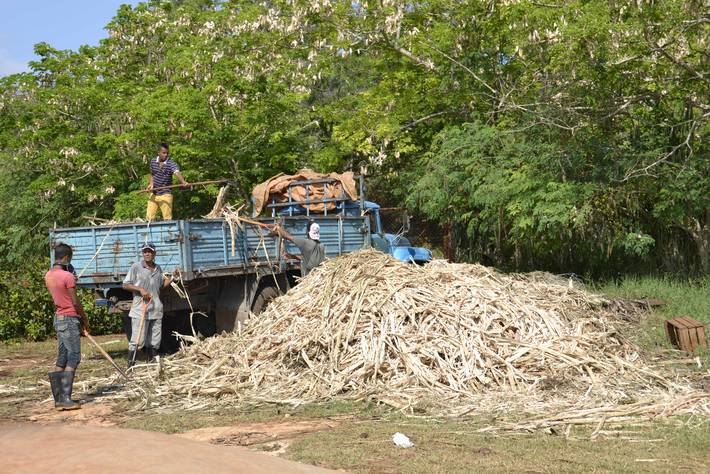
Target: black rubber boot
{"type": "Point", "coordinates": [152, 353]}
{"type": "Point", "coordinates": [132, 358]}
{"type": "Point", "coordinates": [65, 401]}
{"type": "Point", "coordinates": [55, 381]}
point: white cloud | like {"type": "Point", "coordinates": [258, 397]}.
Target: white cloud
{"type": "Point", "coordinates": [9, 65]}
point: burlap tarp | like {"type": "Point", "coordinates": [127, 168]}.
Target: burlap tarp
{"type": "Point", "coordinates": [277, 188]}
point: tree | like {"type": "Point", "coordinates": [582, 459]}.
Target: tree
{"type": "Point", "coordinates": [566, 136]}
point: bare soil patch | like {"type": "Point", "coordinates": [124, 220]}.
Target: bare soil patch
{"type": "Point", "coordinates": [9, 366]}
{"type": "Point", "coordinates": [272, 436]}
{"type": "Point", "coordinates": [113, 450]}
{"type": "Point", "coordinates": [90, 414]}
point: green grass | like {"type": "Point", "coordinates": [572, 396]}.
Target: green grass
{"type": "Point", "coordinates": [27, 350]}
{"type": "Point", "coordinates": [451, 447]}
{"type": "Point", "coordinates": [182, 421]}
{"type": "Point", "coordinates": [361, 442]}
{"type": "Point", "coordinates": [682, 298]}
{"type": "Point", "coordinates": [179, 422]}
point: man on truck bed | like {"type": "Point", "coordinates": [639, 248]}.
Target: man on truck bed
{"type": "Point", "coordinates": [312, 251]}
{"type": "Point", "coordinates": [162, 169]}
{"type": "Point", "coordinates": [145, 279]}
{"type": "Point", "coordinates": [70, 322]}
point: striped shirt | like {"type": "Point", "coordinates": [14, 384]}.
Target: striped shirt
{"type": "Point", "coordinates": [163, 174]}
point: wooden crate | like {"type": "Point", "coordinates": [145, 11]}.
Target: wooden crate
{"type": "Point", "coordinates": [686, 333]}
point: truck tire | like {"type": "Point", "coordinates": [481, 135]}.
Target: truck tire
{"type": "Point", "coordinates": [262, 300]}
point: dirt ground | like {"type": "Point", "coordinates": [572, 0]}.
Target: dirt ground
{"type": "Point", "coordinates": [95, 442]}
{"type": "Point", "coordinates": [91, 438]}
{"type": "Point", "coordinates": [273, 437]}
{"type": "Point", "coordinates": [109, 450]}
{"type": "Point", "coordinates": [112, 435]}
{"type": "Point", "coordinates": [269, 436]}
{"type": "Point", "coordinates": [8, 366]}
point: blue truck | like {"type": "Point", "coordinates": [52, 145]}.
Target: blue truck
{"type": "Point", "coordinates": [228, 269]}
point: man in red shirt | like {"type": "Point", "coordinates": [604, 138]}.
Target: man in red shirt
{"type": "Point", "coordinates": [70, 322]}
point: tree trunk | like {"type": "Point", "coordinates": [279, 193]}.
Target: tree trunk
{"type": "Point", "coordinates": [499, 239]}
{"type": "Point", "coordinates": [704, 253]}
{"type": "Point", "coordinates": [700, 232]}
{"type": "Point", "coordinates": [449, 253]}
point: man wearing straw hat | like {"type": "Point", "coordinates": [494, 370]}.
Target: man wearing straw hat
{"type": "Point", "coordinates": [145, 279]}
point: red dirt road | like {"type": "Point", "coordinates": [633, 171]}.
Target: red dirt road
{"type": "Point", "coordinates": [30, 448]}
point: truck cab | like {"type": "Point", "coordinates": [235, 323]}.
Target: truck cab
{"type": "Point", "coordinates": [395, 244]}
{"type": "Point", "coordinates": [387, 240]}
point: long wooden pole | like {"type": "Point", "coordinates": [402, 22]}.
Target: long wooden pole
{"type": "Point", "coordinates": [106, 356]}
{"type": "Point", "coordinates": [172, 186]}
{"type": "Point", "coordinates": [260, 224]}
{"type": "Point", "coordinates": [140, 330]}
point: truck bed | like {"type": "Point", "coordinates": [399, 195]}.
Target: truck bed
{"type": "Point", "coordinates": [201, 248]}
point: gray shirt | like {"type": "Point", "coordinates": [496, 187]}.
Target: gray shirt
{"type": "Point", "coordinates": [152, 281]}
{"type": "Point", "coordinates": [312, 253]}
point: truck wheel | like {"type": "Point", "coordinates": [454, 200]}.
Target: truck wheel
{"type": "Point", "coordinates": [265, 296]}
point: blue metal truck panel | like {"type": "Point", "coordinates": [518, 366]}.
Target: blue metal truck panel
{"type": "Point", "coordinates": [204, 248]}
{"type": "Point", "coordinates": [200, 248]}
{"type": "Point", "coordinates": [104, 253]}
{"type": "Point", "coordinates": [211, 245]}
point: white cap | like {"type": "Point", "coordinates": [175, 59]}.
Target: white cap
{"type": "Point", "coordinates": [314, 233]}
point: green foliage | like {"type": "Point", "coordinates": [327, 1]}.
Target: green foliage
{"type": "Point", "coordinates": [500, 188]}
{"type": "Point", "coordinates": [592, 138]}
{"type": "Point", "coordinates": [637, 244]}
{"type": "Point", "coordinates": [543, 135]}
{"type": "Point", "coordinates": [130, 206]}
{"type": "Point", "coordinates": [100, 321]}
{"type": "Point", "coordinates": [26, 308]}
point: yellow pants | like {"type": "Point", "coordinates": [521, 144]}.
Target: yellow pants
{"type": "Point", "coordinates": [165, 202]}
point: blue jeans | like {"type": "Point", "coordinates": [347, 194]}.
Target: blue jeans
{"type": "Point", "coordinates": [68, 341]}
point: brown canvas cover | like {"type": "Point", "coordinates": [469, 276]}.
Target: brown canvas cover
{"type": "Point", "coordinates": [277, 187]}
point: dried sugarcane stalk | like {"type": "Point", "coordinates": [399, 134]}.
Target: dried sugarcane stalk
{"type": "Point", "coordinates": [455, 338]}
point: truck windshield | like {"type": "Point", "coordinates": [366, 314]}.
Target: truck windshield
{"type": "Point", "coordinates": [401, 241]}
{"type": "Point", "coordinates": [394, 221]}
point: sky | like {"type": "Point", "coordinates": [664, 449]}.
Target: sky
{"type": "Point", "coordinates": [64, 24]}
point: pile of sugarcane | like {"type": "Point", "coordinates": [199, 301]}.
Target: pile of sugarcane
{"type": "Point", "coordinates": [445, 338]}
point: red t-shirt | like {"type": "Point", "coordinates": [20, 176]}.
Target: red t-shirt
{"type": "Point", "coordinates": [58, 282]}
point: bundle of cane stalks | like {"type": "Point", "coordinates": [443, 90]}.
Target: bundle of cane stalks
{"type": "Point", "coordinates": [444, 338]}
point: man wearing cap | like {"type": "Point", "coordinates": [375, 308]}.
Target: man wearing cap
{"type": "Point", "coordinates": [312, 251]}
{"type": "Point", "coordinates": [145, 279]}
